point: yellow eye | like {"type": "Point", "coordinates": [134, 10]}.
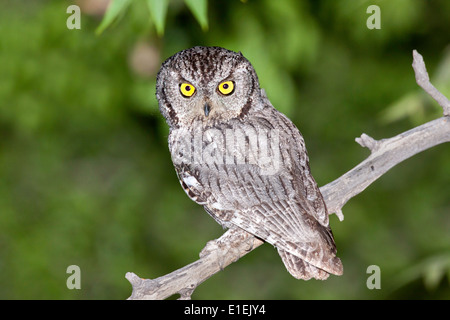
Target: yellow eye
{"type": "Point", "coordinates": [226, 87]}
{"type": "Point", "coordinates": [187, 89]}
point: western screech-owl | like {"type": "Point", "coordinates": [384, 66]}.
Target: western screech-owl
{"type": "Point", "coordinates": [242, 160]}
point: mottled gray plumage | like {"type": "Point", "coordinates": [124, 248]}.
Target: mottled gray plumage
{"type": "Point", "coordinates": [242, 160]}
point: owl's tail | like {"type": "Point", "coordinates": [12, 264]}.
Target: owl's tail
{"type": "Point", "coordinates": [300, 269]}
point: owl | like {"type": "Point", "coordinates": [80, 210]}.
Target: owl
{"type": "Point", "coordinates": [242, 160]}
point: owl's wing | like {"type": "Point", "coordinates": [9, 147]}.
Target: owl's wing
{"type": "Point", "coordinates": [297, 162]}
{"type": "Point", "coordinates": [283, 207]}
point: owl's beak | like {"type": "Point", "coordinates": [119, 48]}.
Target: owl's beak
{"type": "Point", "coordinates": [207, 108]}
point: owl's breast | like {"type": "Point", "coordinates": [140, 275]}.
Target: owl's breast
{"type": "Point", "coordinates": [238, 165]}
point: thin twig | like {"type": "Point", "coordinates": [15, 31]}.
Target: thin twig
{"type": "Point", "coordinates": [423, 80]}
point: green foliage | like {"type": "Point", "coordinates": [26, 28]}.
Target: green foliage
{"type": "Point", "coordinates": [433, 271]}
{"type": "Point", "coordinates": [158, 11]}
{"type": "Point", "coordinates": [86, 177]}
{"type": "Point", "coordinates": [199, 10]}
{"type": "Point", "coordinates": [116, 8]}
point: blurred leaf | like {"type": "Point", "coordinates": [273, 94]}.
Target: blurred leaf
{"type": "Point", "coordinates": [410, 105]}
{"type": "Point", "coordinates": [435, 271]}
{"type": "Point", "coordinates": [199, 9]}
{"type": "Point", "coordinates": [115, 8]}
{"type": "Point", "coordinates": [158, 11]}
{"type": "Point", "coordinates": [432, 270]}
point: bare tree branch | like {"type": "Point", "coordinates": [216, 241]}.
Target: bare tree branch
{"type": "Point", "coordinates": [235, 243]}
{"type": "Point", "coordinates": [423, 80]}
{"type": "Point", "coordinates": [216, 255]}
{"type": "Point", "coordinates": [384, 155]}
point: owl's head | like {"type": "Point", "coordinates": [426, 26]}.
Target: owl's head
{"type": "Point", "coordinates": [209, 84]}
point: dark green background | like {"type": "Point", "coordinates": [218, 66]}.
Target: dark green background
{"type": "Point", "coordinates": [86, 177]}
